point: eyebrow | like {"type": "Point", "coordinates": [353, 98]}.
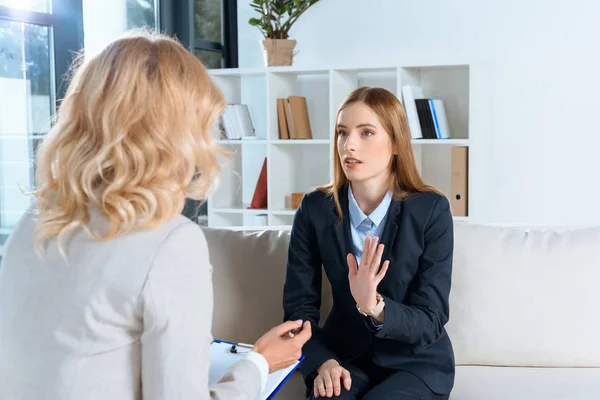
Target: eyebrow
{"type": "Point", "coordinates": [358, 126]}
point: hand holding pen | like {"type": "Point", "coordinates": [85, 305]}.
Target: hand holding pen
{"type": "Point", "coordinates": [281, 346]}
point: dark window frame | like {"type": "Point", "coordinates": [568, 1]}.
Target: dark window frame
{"type": "Point", "coordinates": [177, 18]}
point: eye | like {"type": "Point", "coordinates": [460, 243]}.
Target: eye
{"type": "Point", "coordinates": [342, 133]}
{"type": "Point", "coordinates": [368, 132]}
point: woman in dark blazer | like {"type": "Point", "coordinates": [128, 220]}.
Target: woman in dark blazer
{"type": "Point", "coordinates": [385, 240]}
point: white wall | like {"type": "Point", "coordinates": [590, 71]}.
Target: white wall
{"type": "Point", "coordinates": [541, 155]}
{"type": "Point", "coordinates": [104, 21]}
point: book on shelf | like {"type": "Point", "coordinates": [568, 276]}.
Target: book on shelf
{"type": "Point", "coordinates": [293, 119]}
{"type": "Point", "coordinates": [234, 124]}
{"type": "Point", "coordinates": [427, 118]}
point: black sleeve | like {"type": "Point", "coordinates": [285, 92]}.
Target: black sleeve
{"type": "Point", "coordinates": [420, 322]}
{"type": "Point", "coordinates": [302, 289]}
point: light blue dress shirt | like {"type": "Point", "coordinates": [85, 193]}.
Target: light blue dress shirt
{"type": "Point", "coordinates": [362, 226]}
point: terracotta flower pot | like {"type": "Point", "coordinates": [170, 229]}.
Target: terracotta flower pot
{"type": "Point", "coordinates": [277, 52]}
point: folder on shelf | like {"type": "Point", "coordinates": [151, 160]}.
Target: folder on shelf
{"type": "Point", "coordinates": [224, 354]}
{"type": "Point", "coordinates": [459, 201]}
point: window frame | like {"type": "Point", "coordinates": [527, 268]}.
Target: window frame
{"type": "Point", "coordinates": [177, 18]}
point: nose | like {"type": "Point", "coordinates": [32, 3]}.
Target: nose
{"type": "Point", "coordinates": [350, 144]}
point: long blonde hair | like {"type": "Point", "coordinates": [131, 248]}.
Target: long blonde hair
{"type": "Point", "coordinates": [132, 136]}
{"type": "Point", "coordinates": [404, 175]}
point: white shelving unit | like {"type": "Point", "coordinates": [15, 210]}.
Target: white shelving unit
{"type": "Point", "coordinates": [300, 165]}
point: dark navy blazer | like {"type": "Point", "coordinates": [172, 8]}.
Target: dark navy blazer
{"type": "Point", "coordinates": [419, 241]}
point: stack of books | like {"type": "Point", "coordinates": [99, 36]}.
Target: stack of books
{"type": "Point", "coordinates": [235, 123]}
{"type": "Point", "coordinates": [427, 117]}
{"type": "Point", "coordinates": [292, 117]}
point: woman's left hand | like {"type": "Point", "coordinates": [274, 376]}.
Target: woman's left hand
{"type": "Point", "coordinates": [365, 278]}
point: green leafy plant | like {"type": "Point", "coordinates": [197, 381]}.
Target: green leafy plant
{"type": "Point", "coordinates": [278, 16]}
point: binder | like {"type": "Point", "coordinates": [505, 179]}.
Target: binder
{"type": "Point", "coordinates": [460, 171]}
{"type": "Point", "coordinates": [221, 358]}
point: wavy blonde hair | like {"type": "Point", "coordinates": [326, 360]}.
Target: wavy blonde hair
{"type": "Point", "coordinates": [132, 137]}
{"type": "Point", "coordinates": [404, 178]}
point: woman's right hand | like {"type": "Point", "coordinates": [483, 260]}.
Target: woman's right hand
{"type": "Point", "coordinates": [327, 382]}
{"type": "Point", "coordinates": [279, 349]}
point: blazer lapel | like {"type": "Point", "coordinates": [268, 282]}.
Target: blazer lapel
{"type": "Point", "coordinates": [342, 231]}
{"type": "Point", "coordinates": [390, 229]}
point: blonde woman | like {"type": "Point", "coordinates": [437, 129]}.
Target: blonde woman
{"type": "Point", "coordinates": [105, 289]}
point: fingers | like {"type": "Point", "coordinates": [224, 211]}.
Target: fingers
{"type": "Point", "coordinates": [376, 262]}
{"type": "Point", "coordinates": [320, 387]}
{"type": "Point", "coordinates": [372, 251]}
{"type": "Point", "coordinates": [335, 377]}
{"type": "Point", "coordinates": [286, 327]}
{"type": "Point", "coordinates": [347, 379]}
{"type": "Point", "coordinates": [381, 274]}
{"type": "Point", "coordinates": [366, 247]}
{"type": "Point", "coordinates": [328, 385]}
{"type": "Point", "coordinates": [305, 333]}
{"type": "Point", "coordinates": [352, 266]}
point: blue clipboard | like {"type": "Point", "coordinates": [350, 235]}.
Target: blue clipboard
{"type": "Point", "coordinates": [283, 382]}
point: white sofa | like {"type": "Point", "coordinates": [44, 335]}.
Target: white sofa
{"type": "Point", "coordinates": [525, 307]}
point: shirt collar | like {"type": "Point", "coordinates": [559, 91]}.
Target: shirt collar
{"type": "Point", "coordinates": [357, 216]}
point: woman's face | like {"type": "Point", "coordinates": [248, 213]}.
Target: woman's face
{"type": "Point", "coordinates": [364, 146]}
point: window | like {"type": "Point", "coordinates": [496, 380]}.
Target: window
{"type": "Point", "coordinates": [38, 40]}
{"type": "Point", "coordinates": [215, 32]}
{"type": "Point", "coordinates": [35, 53]}
{"type": "Point", "coordinates": [26, 104]}
{"type": "Point", "coordinates": [208, 28]}
{"type": "Point", "coordinates": [208, 16]}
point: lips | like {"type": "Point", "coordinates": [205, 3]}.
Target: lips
{"type": "Point", "coordinates": [351, 161]}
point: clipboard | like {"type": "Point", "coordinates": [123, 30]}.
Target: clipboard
{"type": "Point", "coordinates": [221, 358]}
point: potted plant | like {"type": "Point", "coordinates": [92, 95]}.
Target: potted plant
{"type": "Point", "coordinates": [276, 19]}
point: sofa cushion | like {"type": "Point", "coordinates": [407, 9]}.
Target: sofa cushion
{"type": "Point", "coordinates": [525, 297]}
{"type": "Point", "coordinates": [248, 276]}
{"type": "Point", "coordinates": [509, 383]}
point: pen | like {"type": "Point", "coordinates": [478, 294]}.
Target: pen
{"type": "Point", "coordinates": [234, 347]}
{"type": "Point", "coordinates": [293, 332]}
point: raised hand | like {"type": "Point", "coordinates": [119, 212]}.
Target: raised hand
{"type": "Point", "coordinates": [365, 278]}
